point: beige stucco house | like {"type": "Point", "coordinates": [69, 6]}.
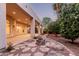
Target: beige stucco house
{"type": "Point", "coordinates": [17, 19]}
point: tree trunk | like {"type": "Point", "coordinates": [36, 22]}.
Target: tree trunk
{"type": "Point", "coordinates": [72, 40]}
{"type": "Point", "coordinates": [55, 35]}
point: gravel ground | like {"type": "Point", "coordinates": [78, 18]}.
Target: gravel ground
{"type": "Point", "coordinates": [73, 47]}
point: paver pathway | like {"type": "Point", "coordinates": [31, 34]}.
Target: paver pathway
{"type": "Point", "coordinates": [29, 48]}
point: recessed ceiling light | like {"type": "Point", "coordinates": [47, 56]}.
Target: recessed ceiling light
{"type": "Point", "coordinates": [18, 19]}
{"type": "Point", "coordinates": [26, 19]}
{"type": "Point", "coordinates": [14, 12]}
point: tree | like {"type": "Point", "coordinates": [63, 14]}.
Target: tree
{"type": "Point", "coordinates": [46, 20]}
{"type": "Point", "coordinates": [53, 27]}
{"type": "Point", "coordinates": [50, 27]}
{"type": "Point", "coordinates": [57, 7]}
{"type": "Point", "coordinates": [56, 27]}
{"type": "Point", "coordinates": [69, 25]}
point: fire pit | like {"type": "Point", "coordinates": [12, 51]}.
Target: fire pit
{"type": "Point", "coordinates": [40, 41]}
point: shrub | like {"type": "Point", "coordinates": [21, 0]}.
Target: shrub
{"type": "Point", "coordinates": [69, 25]}
{"type": "Point", "coordinates": [40, 41]}
{"type": "Point", "coordinates": [53, 27]}
{"type": "Point", "coordinates": [10, 47]}
{"type": "Point", "coordinates": [45, 30]}
{"type": "Point", "coordinates": [35, 37]}
{"type": "Point", "coordinates": [56, 28]}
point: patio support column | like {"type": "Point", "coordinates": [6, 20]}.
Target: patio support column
{"type": "Point", "coordinates": [11, 26]}
{"type": "Point", "coordinates": [39, 29]}
{"type": "Point", "coordinates": [15, 24]}
{"type": "Point", "coordinates": [33, 28]}
{"type": "Point", "coordinates": [2, 25]}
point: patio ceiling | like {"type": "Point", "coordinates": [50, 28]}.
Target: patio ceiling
{"type": "Point", "coordinates": [13, 10]}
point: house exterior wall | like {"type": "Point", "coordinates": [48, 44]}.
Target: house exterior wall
{"type": "Point", "coordinates": [2, 25]}
{"type": "Point", "coordinates": [25, 7]}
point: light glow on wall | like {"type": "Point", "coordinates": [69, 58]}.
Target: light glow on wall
{"type": "Point", "coordinates": [13, 12]}
{"type": "Point", "coordinates": [18, 27]}
{"type": "Point", "coordinates": [7, 27]}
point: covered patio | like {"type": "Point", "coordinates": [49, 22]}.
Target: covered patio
{"type": "Point", "coordinates": [19, 24]}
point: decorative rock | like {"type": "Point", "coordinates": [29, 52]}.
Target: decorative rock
{"type": "Point", "coordinates": [38, 54]}
{"type": "Point", "coordinates": [26, 43]}
{"type": "Point", "coordinates": [52, 51]}
{"type": "Point", "coordinates": [71, 55]}
{"type": "Point", "coordinates": [43, 46]}
{"type": "Point", "coordinates": [32, 44]}
{"type": "Point", "coordinates": [59, 54]}
{"type": "Point", "coordinates": [22, 47]}
{"type": "Point", "coordinates": [33, 49]}
{"type": "Point", "coordinates": [44, 49]}
{"type": "Point", "coordinates": [17, 48]}
{"type": "Point", "coordinates": [59, 47]}
{"type": "Point", "coordinates": [11, 55]}
{"type": "Point", "coordinates": [0, 54]}
{"type": "Point", "coordinates": [27, 54]}
{"type": "Point", "coordinates": [17, 55]}
{"type": "Point", "coordinates": [6, 53]}
{"type": "Point", "coordinates": [51, 54]}
{"type": "Point", "coordinates": [13, 51]}
{"type": "Point", "coordinates": [49, 44]}
{"type": "Point", "coordinates": [26, 49]}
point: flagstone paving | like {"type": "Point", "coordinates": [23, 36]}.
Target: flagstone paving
{"type": "Point", "coordinates": [29, 48]}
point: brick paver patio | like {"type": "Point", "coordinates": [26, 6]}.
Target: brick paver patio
{"type": "Point", "coordinates": [29, 48]}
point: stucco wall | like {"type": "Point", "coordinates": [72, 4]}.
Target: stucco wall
{"type": "Point", "coordinates": [2, 25]}
{"type": "Point", "coordinates": [27, 7]}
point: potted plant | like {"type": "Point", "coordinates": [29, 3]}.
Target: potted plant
{"type": "Point", "coordinates": [10, 47]}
